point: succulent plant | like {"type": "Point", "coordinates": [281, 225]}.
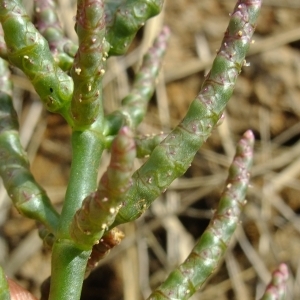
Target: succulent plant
{"type": "Point", "coordinates": [68, 80]}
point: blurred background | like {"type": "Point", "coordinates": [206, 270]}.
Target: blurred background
{"type": "Point", "coordinates": [266, 99]}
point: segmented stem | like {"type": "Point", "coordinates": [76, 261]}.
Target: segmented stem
{"type": "Point", "coordinates": [28, 197]}
{"type": "Point", "coordinates": [186, 279]}
{"type": "Point", "coordinates": [173, 156]}
{"type": "Point", "coordinates": [100, 208]}
{"type": "Point", "coordinates": [47, 22]}
{"type": "Point", "coordinates": [109, 240]}
{"type": "Point", "coordinates": [125, 18]}
{"type": "Point", "coordinates": [276, 290]}
{"type": "Point", "coordinates": [134, 105]}
{"type": "Point", "coordinates": [4, 288]}
{"type": "Point", "coordinates": [89, 63]}
{"type": "Point", "coordinates": [29, 51]}
{"type": "Point", "coordinates": [146, 144]}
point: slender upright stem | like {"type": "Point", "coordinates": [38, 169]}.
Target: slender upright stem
{"type": "Point", "coordinates": [99, 209]}
{"type": "Point", "coordinates": [68, 261]}
{"type": "Point", "coordinates": [89, 63]}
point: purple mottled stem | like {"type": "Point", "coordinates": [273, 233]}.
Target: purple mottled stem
{"type": "Point", "coordinates": [89, 63]}
{"type": "Point", "coordinates": [125, 18]}
{"type": "Point", "coordinates": [146, 144]}
{"type": "Point", "coordinates": [99, 209]}
{"type": "Point", "coordinates": [47, 22]}
{"type": "Point", "coordinates": [171, 158]}
{"type": "Point", "coordinates": [134, 105]}
{"type": "Point", "coordinates": [29, 51]}
{"type": "Point", "coordinates": [186, 279]}
{"type": "Point", "coordinates": [28, 197]}
{"type": "Point", "coordinates": [276, 290]}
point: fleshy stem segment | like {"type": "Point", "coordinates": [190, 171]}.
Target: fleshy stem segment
{"type": "Point", "coordinates": [86, 112]}
{"type": "Point", "coordinates": [109, 240]}
{"type": "Point", "coordinates": [134, 105]}
{"type": "Point", "coordinates": [4, 288]}
{"type": "Point", "coordinates": [47, 22]}
{"type": "Point", "coordinates": [146, 144]}
{"type": "Point", "coordinates": [173, 156]}
{"type": "Point", "coordinates": [186, 279]}
{"type": "Point", "coordinates": [89, 63]}
{"type": "Point", "coordinates": [70, 257]}
{"type": "Point", "coordinates": [29, 51]}
{"type": "Point", "coordinates": [276, 290]}
{"type": "Point", "coordinates": [125, 18]}
{"type": "Point", "coordinates": [28, 197]}
{"type": "Point", "coordinates": [99, 209]}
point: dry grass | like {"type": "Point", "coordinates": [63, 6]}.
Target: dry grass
{"type": "Point", "coordinates": [266, 100]}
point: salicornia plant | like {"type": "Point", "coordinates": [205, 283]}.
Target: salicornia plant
{"type": "Point", "coordinates": [68, 79]}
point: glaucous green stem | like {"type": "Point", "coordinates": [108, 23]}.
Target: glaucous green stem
{"type": "Point", "coordinates": [172, 157]}
{"type": "Point", "coordinates": [28, 197]}
{"type": "Point", "coordinates": [146, 144]}
{"type": "Point", "coordinates": [29, 51]}
{"type": "Point", "coordinates": [68, 267]}
{"type": "Point", "coordinates": [99, 209]}
{"type": "Point", "coordinates": [86, 155]}
{"type": "Point", "coordinates": [124, 18]}
{"type": "Point", "coordinates": [134, 105]}
{"type": "Point", "coordinates": [47, 22]}
{"type": "Point", "coordinates": [89, 63]}
{"type": "Point", "coordinates": [186, 279]}
{"type": "Point", "coordinates": [69, 258]}
{"type": "Point", "coordinates": [276, 290]}
{"type": "Point", "coordinates": [68, 261]}
{"type": "Point", "coordinates": [4, 288]}
{"type": "Point", "coordinates": [109, 240]}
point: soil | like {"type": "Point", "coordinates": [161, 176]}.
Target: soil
{"type": "Point", "coordinates": [266, 100]}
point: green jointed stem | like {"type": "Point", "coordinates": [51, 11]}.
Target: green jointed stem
{"type": "Point", "coordinates": [125, 19]}
{"type": "Point", "coordinates": [186, 279]}
{"type": "Point", "coordinates": [28, 197]}
{"type": "Point", "coordinates": [29, 51]}
{"type": "Point", "coordinates": [47, 22]}
{"type": "Point", "coordinates": [100, 208]}
{"type": "Point", "coordinates": [134, 106]}
{"type": "Point", "coordinates": [276, 290]}
{"type": "Point", "coordinates": [68, 261]}
{"type": "Point", "coordinates": [174, 155]}
{"type": "Point", "coordinates": [89, 63]}
{"type": "Point", "coordinates": [146, 144]}
{"type": "Point", "coordinates": [69, 258]}
{"type": "Point", "coordinates": [67, 270]}
{"type": "Point", "coordinates": [109, 240]}
{"type": "Point", "coordinates": [4, 288]}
